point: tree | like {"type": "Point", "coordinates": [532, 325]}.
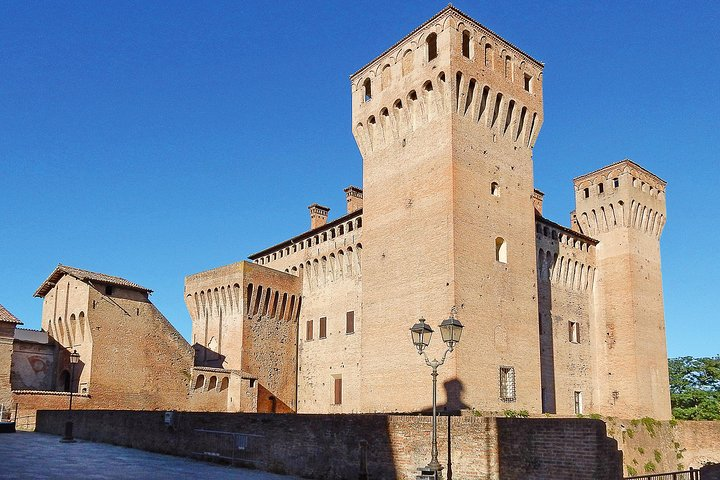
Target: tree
{"type": "Point", "coordinates": [695, 388]}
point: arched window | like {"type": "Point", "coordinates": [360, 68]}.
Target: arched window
{"type": "Point", "coordinates": [495, 189]}
{"type": "Point", "coordinates": [508, 67]}
{"type": "Point", "coordinates": [386, 76]}
{"type": "Point", "coordinates": [224, 383]}
{"type": "Point", "coordinates": [500, 250]}
{"type": "Point", "coordinates": [431, 46]}
{"type": "Point", "coordinates": [199, 382]}
{"type": "Point", "coordinates": [466, 44]}
{"type": "Point", "coordinates": [213, 383]}
{"type": "Point", "coordinates": [367, 90]}
{"type": "Point", "coordinates": [488, 55]}
{"type": "Point", "coordinates": [407, 62]}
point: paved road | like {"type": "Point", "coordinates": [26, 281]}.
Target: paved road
{"type": "Point", "coordinates": [25, 455]}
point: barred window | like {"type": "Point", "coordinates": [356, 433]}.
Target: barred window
{"type": "Point", "coordinates": [507, 384]}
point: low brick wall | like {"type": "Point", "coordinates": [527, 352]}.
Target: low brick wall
{"type": "Point", "coordinates": [330, 446]}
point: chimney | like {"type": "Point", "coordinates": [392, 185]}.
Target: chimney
{"type": "Point", "coordinates": [354, 197]}
{"type": "Point", "coordinates": [537, 199]}
{"type": "Point", "coordinates": [318, 215]}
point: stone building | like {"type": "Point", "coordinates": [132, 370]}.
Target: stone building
{"type": "Point", "coordinates": [557, 319]}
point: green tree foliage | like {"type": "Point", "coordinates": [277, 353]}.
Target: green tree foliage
{"type": "Point", "coordinates": [695, 388]}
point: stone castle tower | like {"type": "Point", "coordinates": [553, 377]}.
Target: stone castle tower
{"type": "Point", "coordinates": [446, 120]}
{"type": "Point", "coordinates": [623, 206]}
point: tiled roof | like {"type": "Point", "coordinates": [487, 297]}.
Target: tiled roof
{"type": "Point", "coordinates": [85, 276]}
{"type": "Point", "coordinates": [6, 316]}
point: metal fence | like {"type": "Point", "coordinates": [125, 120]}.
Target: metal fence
{"type": "Point", "coordinates": [691, 474]}
{"type": "Point", "coordinates": [229, 447]}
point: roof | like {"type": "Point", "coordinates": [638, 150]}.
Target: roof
{"type": "Point", "coordinates": [6, 316]}
{"type": "Point", "coordinates": [309, 233]}
{"type": "Point", "coordinates": [85, 276]}
{"type": "Point", "coordinates": [453, 11]}
{"type": "Point", "coordinates": [624, 161]}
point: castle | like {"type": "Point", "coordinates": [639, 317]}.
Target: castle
{"type": "Point", "coordinates": [557, 319]}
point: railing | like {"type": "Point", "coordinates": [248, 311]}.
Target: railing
{"type": "Point", "coordinates": [234, 447]}
{"type": "Point", "coordinates": [691, 474]}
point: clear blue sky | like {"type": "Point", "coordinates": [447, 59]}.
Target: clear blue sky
{"type": "Point", "coordinates": [152, 140]}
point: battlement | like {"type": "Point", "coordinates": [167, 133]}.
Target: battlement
{"type": "Point", "coordinates": [622, 194]}
{"type": "Point", "coordinates": [449, 65]}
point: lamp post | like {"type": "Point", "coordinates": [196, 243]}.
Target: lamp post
{"type": "Point", "coordinates": [450, 329]}
{"type": "Point", "coordinates": [68, 438]}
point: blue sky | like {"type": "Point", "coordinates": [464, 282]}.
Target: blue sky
{"type": "Point", "coordinates": [152, 140]}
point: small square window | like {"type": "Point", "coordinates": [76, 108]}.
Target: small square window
{"type": "Point", "coordinates": [527, 82]}
{"type": "Point", "coordinates": [507, 384]}
{"type": "Point", "coordinates": [601, 188]}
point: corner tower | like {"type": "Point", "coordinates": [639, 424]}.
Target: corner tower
{"type": "Point", "coordinates": [623, 206]}
{"type": "Point", "coordinates": [446, 120]}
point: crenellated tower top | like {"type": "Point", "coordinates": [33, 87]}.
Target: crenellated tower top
{"type": "Point", "coordinates": [623, 194]}
{"type": "Point", "coordinates": [451, 64]}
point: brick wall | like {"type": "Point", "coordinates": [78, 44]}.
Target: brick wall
{"type": "Point", "coordinates": [329, 446]}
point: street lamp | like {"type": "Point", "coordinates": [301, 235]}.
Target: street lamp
{"type": "Point", "coordinates": [450, 329]}
{"type": "Point", "coordinates": [68, 438]}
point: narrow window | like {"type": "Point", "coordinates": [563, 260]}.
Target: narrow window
{"type": "Point", "coordinates": [431, 46]}
{"type": "Point", "coordinates": [507, 384]}
{"type": "Point", "coordinates": [309, 330]}
{"type": "Point", "coordinates": [338, 390]}
{"type": "Point", "coordinates": [578, 403]}
{"type": "Point", "coordinates": [495, 189]}
{"type": "Point", "coordinates": [574, 332]}
{"type": "Point", "coordinates": [213, 383]}
{"type": "Point", "coordinates": [466, 44]}
{"type": "Point", "coordinates": [323, 327]}
{"type": "Point", "coordinates": [500, 250]}
{"type": "Point", "coordinates": [508, 67]}
{"type": "Point", "coordinates": [587, 192]}
{"type": "Point", "coordinates": [367, 89]}
{"type": "Point", "coordinates": [616, 182]}
{"type": "Point", "coordinates": [224, 383]}
{"type": "Point", "coordinates": [488, 55]}
{"type": "Point", "coordinates": [350, 322]}
{"type": "Point", "coordinates": [527, 82]}
{"type": "Point", "coordinates": [601, 188]}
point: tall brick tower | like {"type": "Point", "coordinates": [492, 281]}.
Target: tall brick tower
{"type": "Point", "coordinates": [446, 120]}
{"type": "Point", "coordinates": [623, 206]}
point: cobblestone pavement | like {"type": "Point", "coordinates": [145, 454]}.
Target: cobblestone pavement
{"type": "Point", "coordinates": [26, 455]}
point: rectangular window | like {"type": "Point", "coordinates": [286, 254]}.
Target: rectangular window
{"type": "Point", "coordinates": [323, 327]}
{"type": "Point", "coordinates": [507, 384]}
{"type": "Point", "coordinates": [574, 332]}
{"type": "Point", "coordinates": [578, 403]}
{"type": "Point", "coordinates": [309, 330]}
{"type": "Point", "coordinates": [338, 390]}
{"type": "Point", "coordinates": [350, 322]}
{"type": "Point", "coordinates": [616, 182]}
{"type": "Point", "coordinates": [601, 188]}
{"type": "Point", "coordinates": [586, 192]}
{"type": "Point", "coordinates": [527, 82]}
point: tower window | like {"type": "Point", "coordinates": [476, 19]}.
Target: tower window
{"type": "Point", "coordinates": [338, 390]}
{"type": "Point", "coordinates": [323, 327]}
{"type": "Point", "coordinates": [367, 90]}
{"type": "Point", "coordinates": [431, 46]}
{"type": "Point", "coordinates": [350, 322]}
{"type": "Point", "coordinates": [507, 384]}
{"type": "Point", "coordinates": [466, 44]}
{"type": "Point", "coordinates": [601, 188]}
{"type": "Point", "coordinates": [508, 67]}
{"type": "Point", "coordinates": [488, 55]}
{"type": "Point", "coordinates": [574, 332]}
{"type": "Point", "coordinates": [587, 192]}
{"type": "Point", "coordinates": [495, 189]}
{"type": "Point", "coordinates": [578, 403]}
{"type": "Point", "coordinates": [527, 82]}
{"type": "Point", "coordinates": [616, 182]}
{"type": "Point", "coordinates": [309, 330]}
{"type": "Point", "coordinates": [500, 250]}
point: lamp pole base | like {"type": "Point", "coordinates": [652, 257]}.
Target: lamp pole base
{"type": "Point", "coordinates": [430, 472]}
{"type": "Point", "coordinates": [68, 437]}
